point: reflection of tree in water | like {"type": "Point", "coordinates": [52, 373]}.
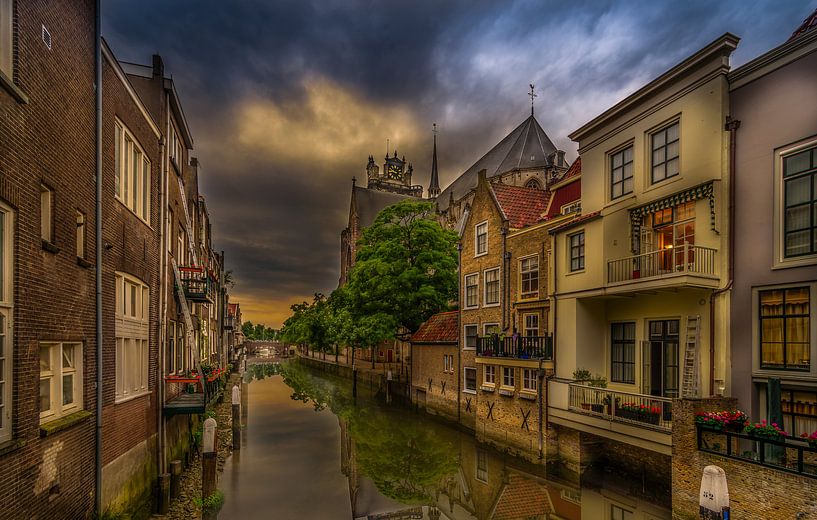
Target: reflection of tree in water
{"type": "Point", "coordinates": [407, 460]}
{"type": "Point", "coordinates": [261, 370]}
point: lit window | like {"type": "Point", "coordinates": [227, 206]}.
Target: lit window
{"type": "Point", "coordinates": [665, 153]}
{"type": "Point", "coordinates": [508, 376]}
{"type": "Point", "coordinates": [60, 379]}
{"type": "Point", "coordinates": [785, 343]}
{"type": "Point", "coordinates": [492, 287]}
{"type": "Point", "coordinates": [481, 239]}
{"type": "Point", "coordinates": [46, 213]}
{"type": "Point", "coordinates": [529, 379]}
{"type": "Point", "coordinates": [132, 334]}
{"type": "Point", "coordinates": [621, 173]}
{"type": "Point", "coordinates": [490, 374]}
{"type": "Point", "coordinates": [132, 173]}
{"type": "Point", "coordinates": [576, 251]}
{"type": "Point", "coordinates": [800, 211]}
{"type": "Point", "coordinates": [529, 269]}
{"type": "Point", "coordinates": [471, 291]}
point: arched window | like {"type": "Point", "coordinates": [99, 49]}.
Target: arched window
{"type": "Point", "coordinates": [533, 183]}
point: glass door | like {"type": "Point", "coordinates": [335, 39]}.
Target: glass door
{"type": "Point", "coordinates": [662, 358]}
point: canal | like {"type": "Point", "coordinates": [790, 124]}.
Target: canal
{"type": "Point", "coordinates": [312, 450]}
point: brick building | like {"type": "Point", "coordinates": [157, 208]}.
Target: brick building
{"type": "Point", "coordinates": [435, 364]}
{"type": "Point", "coordinates": [47, 217]}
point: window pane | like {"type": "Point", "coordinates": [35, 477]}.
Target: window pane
{"type": "Point", "coordinates": [798, 243]}
{"type": "Point", "coordinates": [657, 140]}
{"type": "Point", "coordinates": [67, 389]}
{"type": "Point", "coordinates": [45, 395]}
{"type": "Point", "coordinates": [45, 359]}
{"type": "Point", "coordinates": [118, 161]}
{"type": "Point", "coordinates": [797, 163]}
{"type": "Point", "coordinates": [798, 190]}
{"type": "Point", "coordinates": [672, 167]}
{"type": "Point", "coordinates": [658, 156]}
{"type": "Point", "coordinates": [68, 356]}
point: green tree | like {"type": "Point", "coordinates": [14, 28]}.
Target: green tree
{"type": "Point", "coordinates": [248, 329]}
{"type": "Point", "coordinates": [405, 271]}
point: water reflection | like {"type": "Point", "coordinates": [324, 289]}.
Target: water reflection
{"type": "Point", "coordinates": [397, 464]}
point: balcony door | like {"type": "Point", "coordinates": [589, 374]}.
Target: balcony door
{"type": "Point", "coordinates": [661, 359]}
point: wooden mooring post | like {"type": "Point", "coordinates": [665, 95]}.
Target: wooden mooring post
{"type": "Point", "coordinates": [208, 459]}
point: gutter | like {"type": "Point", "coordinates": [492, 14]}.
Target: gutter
{"type": "Point", "coordinates": [459, 331]}
{"type": "Point", "coordinates": [160, 391]}
{"type": "Point", "coordinates": [505, 258]}
{"type": "Point", "coordinates": [99, 247]}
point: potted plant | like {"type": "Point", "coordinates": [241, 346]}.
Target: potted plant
{"type": "Point", "coordinates": [583, 376]}
{"type": "Point", "coordinates": [764, 430]}
{"type": "Point", "coordinates": [811, 439]}
{"type": "Point", "coordinates": [598, 381]}
{"type": "Point", "coordinates": [722, 421]}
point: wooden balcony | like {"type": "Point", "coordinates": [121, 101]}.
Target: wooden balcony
{"type": "Point", "coordinates": [195, 401]}
{"type": "Point", "coordinates": [688, 265]}
{"type": "Point", "coordinates": [519, 347]}
{"type": "Point", "coordinates": [198, 285]}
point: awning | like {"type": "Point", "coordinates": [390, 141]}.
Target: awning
{"type": "Point", "coordinates": [701, 191]}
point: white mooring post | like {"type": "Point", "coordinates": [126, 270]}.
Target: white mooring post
{"type": "Point", "coordinates": [236, 417]}
{"type": "Point", "coordinates": [208, 458]}
{"type": "Point", "coordinates": [714, 495]}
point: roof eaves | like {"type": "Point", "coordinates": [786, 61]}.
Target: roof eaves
{"type": "Point", "coordinates": [575, 222]}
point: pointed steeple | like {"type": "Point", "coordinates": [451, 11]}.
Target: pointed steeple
{"type": "Point", "coordinates": [434, 186]}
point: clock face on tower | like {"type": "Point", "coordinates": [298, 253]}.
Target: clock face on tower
{"type": "Point", "coordinates": [393, 172]}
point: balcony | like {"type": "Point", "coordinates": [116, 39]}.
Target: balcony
{"type": "Point", "coordinates": [194, 396]}
{"type": "Point", "coordinates": [198, 285]}
{"type": "Point", "coordinates": [519, 347]}
{"type": "Point", "coordinates": [690, 264]}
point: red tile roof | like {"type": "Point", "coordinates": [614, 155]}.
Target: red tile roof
{"type": "Point", "coordinates": [522, 498]}
{"type": "Point", "coordinates": [564, 194]}
{"type": "Point", "coordinates": [522, 206]}
{"type": "Point", "coordinates": [575, 169]}
{"type": "Point", "coordinates": [231, 308]}
{"type": "Point", "coordinates": [440, 328]}
{"type": "Point", "coordinates": [809, 24]}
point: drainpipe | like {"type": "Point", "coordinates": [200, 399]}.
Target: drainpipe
{"type": "Point", "coordinates": [99, 245]}
{"type": "Point", "coordinates": [160, 390]}
{"type": "Point", "coordinates": [459, 330]}
{"type": "Point", "coordinates": [505, 258]}
{"type": "Point", "coordinates": [731, 126]}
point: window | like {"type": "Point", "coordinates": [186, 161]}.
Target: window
{"type": "Point", "coordinates": [531, 325]}
{"type": "Point", "coordinates": [181, 341]}
{"type": "Point", "coordinates": [7, 38]}
{"type": "Point", "coordinates": [448, 363]}
{"type": "Point", "coordinates": [490, 374]}
{"type": "Point", "coordinates": [492, 286]}
{"type": "Point", "coordinates": [171, 347]}
{"type": "Point", "coordinates": [665, 153]}
{"type": "Point", "coordinates": [622, 353]}
{"type": "Point", "coordinates": [132, 318]}
{"type": "Point", "coordinates": [573, 207]}
{"type": "Point", "coordinates": [471, 291]}
{"type": "Point", "coordinates": [529, 379]}
{"type": "Point", "coordinates": [60, 379]}
{"type": "Point", "coordinates": [471, 332]}
{"type": "Point", "coordinates": [784, 329]}
{"type": "Point", "coordinates": [508, 376]}
{"type": "Point", "coordinates": [619, 513]}
{"type": "Point", "coordinates": [482, 465]}
{"type": "Point", "coordinates": [529, 272]}
{"type": "Point", "coordinates": [175, 148]}
{"type": "Point", "coordinates": [6, 312]}
{"type": "Point", "coordinates": [621, 173]}
{"type": "Point", "coordinates": [490, 328]}
{"type": "Point", "coordinates": [80, 234]}
{"type": "Point", "coordinates": [800, 201]}
{"type": "Point", "coordinates": [576, 251]}
{"type": "Point", "coordinates": [481, 239]}
{"type": "Point", "coordinates": [668, 231]}
{"type": "Point", "coordinates": [180, 238]}
{"type": "Point", "coordinates": [470, 374]}
{"type": "Point", "coordinates": [132, 175]}
{"type": "Point", "coordinates": [533, 183]}
{"type": "Point", "coordinates": [46, 214]}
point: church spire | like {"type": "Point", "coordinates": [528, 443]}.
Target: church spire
{"type": "Point", "coordinates": [434, 186]}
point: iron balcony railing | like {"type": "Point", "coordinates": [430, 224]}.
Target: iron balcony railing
{"type": "Point", "coordinates": [625, 407]}
{"type": "Point", "coordinates": [197, 283]}
{"type": "Point", "coordinates": [688, 259]}
{"type": "Point", "coordinates": [517, 347]}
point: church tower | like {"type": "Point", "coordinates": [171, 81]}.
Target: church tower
{"type": "Point", "coordinates": [395, 177]}
{"type": "Point", "coordinates": [434, 185]}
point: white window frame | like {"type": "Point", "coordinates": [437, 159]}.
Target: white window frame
{"type": "Point", "coordinates": [465, 389]}
{"type": "Point", "coordinates": [664, 129]}
{"type": "Point", "coordinates": [530, 294]}
{"type": "Point", "coordinates": [529, 379]}
{"type": "Point", "coordinates": [132, 177]}
{"type": "Point", "coordinates": [477, 252]}
{"type": "Point", "coordinates": [54, 375]}
{"type": "Point", "coordinates": [489, 369]}
{"type": "Point", "coordinates": [525, 327]}
{"type": "Point", "coordinates": [6, 320]}
{"type": "Point", "coordinates": [132, 337]}
{"type": "Point", "coordinates": [485, 287]}
{"type": "Point", "coordinates": [486, 326]}
{"type": "Point", "coordinates": [465, 336]}
{"type": "Point", "coordinates": [512, 372]}
{"type": "Point", "coordinates": [465, 291]}
{"type": "Point", "coordinates": [781, 261]}
{"type": "Point", "coordinates": [7, 39]}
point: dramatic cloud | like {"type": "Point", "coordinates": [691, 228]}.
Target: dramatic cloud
{"type": "Point", "coordinates": [287, 99]}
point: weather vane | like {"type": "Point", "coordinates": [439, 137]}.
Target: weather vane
{"type": "Point", "coordinates": [532, 95]}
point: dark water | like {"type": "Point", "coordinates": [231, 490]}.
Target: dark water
{"type": "Point", "coordinates": [311, 451]}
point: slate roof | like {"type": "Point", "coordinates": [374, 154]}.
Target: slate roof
{"type": "Point", "coordinates": [440, 328]}
{"type": "Point", "coordinates": [809, 24]}
{"type": "Point", "coordinates": [522, 498]}
{"type": "Point", "coordinates": [514, 151]}
{"type": "Point", "coordinates": [523, 206]}
{"type": "Point", "coordinates": [368, 203]}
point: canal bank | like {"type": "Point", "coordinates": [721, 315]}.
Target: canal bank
{"type": "Point", "coordinates": [311, 449]}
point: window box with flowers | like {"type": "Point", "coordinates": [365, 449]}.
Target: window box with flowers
{"type": "Point", "coordinates": [722, 421]}
{"type": "Point", "coordinates": [811, 439]}
{"type": "Point", "coordinates": [639, 412]}
{"type": "Point", "coordinates": [764, 430]}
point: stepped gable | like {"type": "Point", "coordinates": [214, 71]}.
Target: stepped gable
{"type": "Point", "coordinates": [440, 328]}
{"type": "Point", "coordinates": [522, 206]}
{"type": "Point", "coordinates": [527, 146]}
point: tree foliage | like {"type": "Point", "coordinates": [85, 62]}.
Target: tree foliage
{"type": "Point", "coordinates": [258, 332]}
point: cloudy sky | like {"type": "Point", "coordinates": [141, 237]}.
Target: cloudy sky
{"type": "Point", "coordinates": [286, 99]}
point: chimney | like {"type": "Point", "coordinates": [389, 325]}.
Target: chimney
{"type": "Point", "coordinates": [158, 66]}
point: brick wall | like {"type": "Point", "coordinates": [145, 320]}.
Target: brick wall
{"type": "Point", "coordinates": [428, 377]}
{"type": "Point", "coordinates": [754, 491]}
{"type": "Point", "coordinates": [49, 140]}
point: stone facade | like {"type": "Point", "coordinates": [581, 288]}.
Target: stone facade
{"type": "Point", "coordinates": [433, 382]}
